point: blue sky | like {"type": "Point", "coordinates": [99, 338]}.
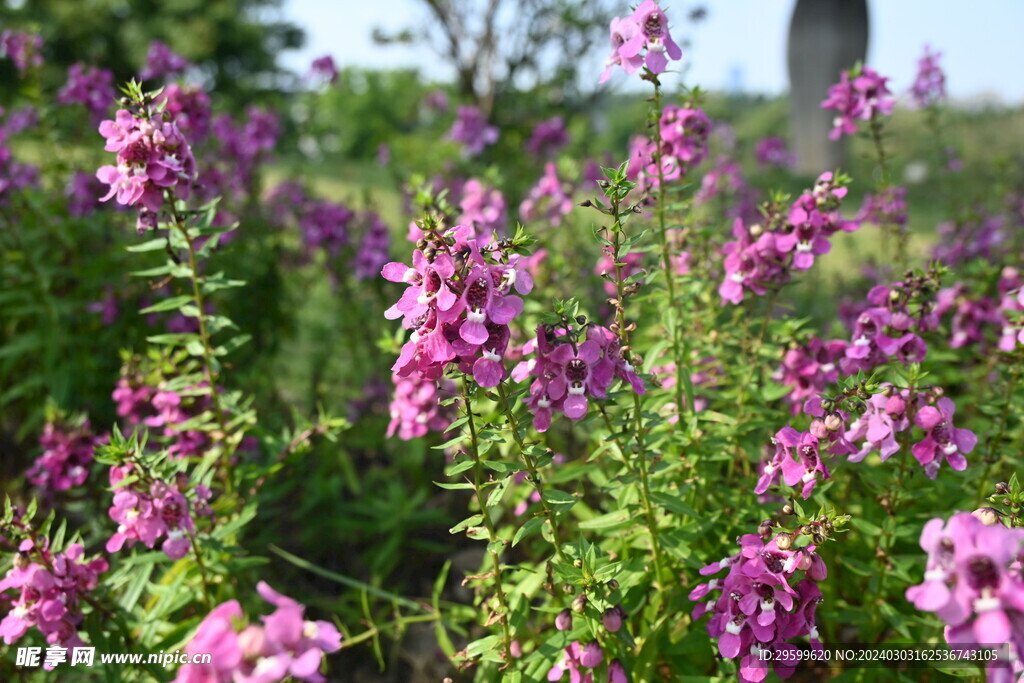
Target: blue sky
{"type": "Point", "coordinates": [981, 42]}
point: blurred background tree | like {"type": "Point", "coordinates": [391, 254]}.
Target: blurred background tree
{"type": "Point", "coordinates": [234, 44]}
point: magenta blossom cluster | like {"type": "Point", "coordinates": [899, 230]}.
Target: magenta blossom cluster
{"type": "Point", "coordinates": [156, 407]}
{"type": "Point", "coordinates": [892, 412]}
{"type": "Point", "coordinates": [684, 144]}
{"type": "Point", "coordinates": [979, 237]}
{"type": "Point", "coordinates": [24, 49]}
{"type": "Point", "coordinates": [91, 87]}
{"type": "Point", "coordinates": [886, 207]}
{"type": "Point", "coordinates": [67, 454]}
{"type": "Point", "coordinates": [547, 138]}
{"type": "Point", "coordinates": [458, 304]}
{"type": "Point", "coordinates": [578, 658]}
{"type": "Point", "coordinates": [970, 317]}
{"type": "Point", "coordinates": [773, 152]}
{"type": "Point", "coordinates": [929, 86]}
{"type": "Point", "coordinates": [50, 587]}
{"type": "Point", "coordinates": [725, 181]}
{"type": "Point", "coordinates": [888, 329]}
{"type": "Point", "coordinates": [373, 250]}
{"type": "Point", "coordinates": [244, 146]}
{"type": "Point", "coordinates": [162, 62]}
{"type": "Point", "coordinates": [482, 208]}
{"type": "Point", "coordinates": [14, 175]}
{"type": "Point", "coordinates": [83, 192]}
{"type": "Point", "coordinates": [567, 374]}
{"type": "Point", "coordinates": [416, 406]}
{"type": "Point", "coordinates": [973, 583]}
{"type": "Point", "coordinates": [147, 513]}
{"type": "Point", "coordinates": [809, 369]}
{"type": "Point", "coordinates": [152, 156]}
{"type": "Point", "coordinates": [645, 29]}
{"type": "Point", "coordinates": [760, 256]}
{"type": "Point", "coordinates": [797, 458]}
{"type": "Point", "coordinates": [472, 131]}
{"type": "Point", "coordinates": [323, 70]}
{"type": "Point", "coordinates": [189, 106]}
{"type": "Point", "coordinates": [860, 94]}
{"type": "Point", "coordinates": [550, 200]}
{"type": "Point", "coordinates": [1011, 305]}
{"type": "Point", "coordinates": [285, 646]}
{"type": "Point", "coordinates": [706, 374]}
{"type": "Point", "coordinates": [755, 609]}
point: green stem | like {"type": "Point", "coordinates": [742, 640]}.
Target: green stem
{"type": "Point", "coordinates": [639, 431]}
{"type": "Point", "coordinates": [684, 402]}
{"type": "Point", "coordinates": [884, 183]}
{"type": "Point", "coordinates": [531, 467]}
{"type": "Point", "coordinates": [209, 362]}
{"type": "Point", "coordinates": [492, 536]}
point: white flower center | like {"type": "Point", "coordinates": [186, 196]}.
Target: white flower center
{"type": "Point", "coordinates": [935, 575]}
{"type": "Point", "coordinates": [987, 604]}
{"type": "Point", "coordinates": [576, 390]}
{"type": "Point", "coordinates": [733, 628]}
{"type": "Point", "coordinates": [808, 477]}
{"type": "Point", "coordinates": [491, 356]}
{"type": "Point", "coordinates": [543, 403]}
{"type": "Point", "coordinates": [476, 316]}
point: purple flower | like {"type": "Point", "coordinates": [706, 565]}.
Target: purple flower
{"type": "Point", "coordinates": [929, 86]}
{"type": "Point", "coordinates": [471, 130]}
{"type": "Point", "coordinates": [547, 138]}
{"type": "Point", "coordinates": [67, 454]}
{"type": "Point", "coordinates": [323, 70]}
{"type": "Point", "coordinates": [416, 407]}
{"type": "Point", "coordinates": [24, 49]}
{"type": "Point", "coordinates": [286, 645]}
{"type": "Point", "coordinates": [549, 200]}
{"type": "Point", "coordinates": [772, 152]}
{"type": "Point", "coordinates": [972, 581]}
{"type": "Point", "coordinates": [942, 439]}
{"type": "Point", "coordinates": [91, 87]}
{"type": "Point", "coordinates": [860, 94]}
{"type": "Point", "coordinates": [646, 28]}
{"type": "Point", "coordinates": [162, 62]}
{"type": "Point", "coordinates": [51, 588]}
{"type": "Point", "coordinates": [152, 155]}
{"type": "Point", "coordinates": [754, 608]}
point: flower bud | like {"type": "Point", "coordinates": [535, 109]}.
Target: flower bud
{"type": "Point", "coordinates": [563, 622]}
{"type": "Point", "coordinates": [765, 529]}
{"type": "Point", "coordinates": [580, 603]}
{"type": "Point", "coordinates": [21, 560]}
{"type": "Point", "coordinates": [616, 672]}
{"type": "Point", "coordinates": [612, 584]}
{"type": "Point", "coordinates": [1002, 488]}
{"type": "Point", "coordinates": [987, 516]}
{"type": "Point", "coordinates": [568, 588]}
{"type": "Point", "coordinates": [783, 541]}
{"type": "Point", "coordinates": [787, 509]}
{"type": "Point", "coordinates": [578, 563]}
{"type": "Point", "coordinates": [612, 618]}
{"type": "Point", "coordinates": [833, 422]}
{"type": "Point", "coordinates": [515, 649]}
{"type": "Point", "coordinates": [591, 655]}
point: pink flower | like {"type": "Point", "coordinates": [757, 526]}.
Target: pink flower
{"type": "Point", "coordinates": [942, 438]}
{"type": "Point", "coordinates": [471, 129]}
{"type": "Point", "coordinates": [646, 28]}
{"type": "Point", "coordinates": [860, 94]}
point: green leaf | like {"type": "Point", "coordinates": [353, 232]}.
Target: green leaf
{"type": "Point", "coordinates": [454, 487]}
{"type": "Point", "coordinates": [560, 501]}
{"type": "Point", "coordinates": [174, 303]}
{"type": "Point", "coordinates": [498, 492]}
{"type": "Point", "coordinates": [472, 520]}
{"type": "Point", "coordinates": [149, 245]}
{"type": "Point", "coordinates": [527, 529]}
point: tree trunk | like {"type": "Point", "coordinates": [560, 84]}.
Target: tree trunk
{"type": "Point", "coordinates": [825, 37]}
